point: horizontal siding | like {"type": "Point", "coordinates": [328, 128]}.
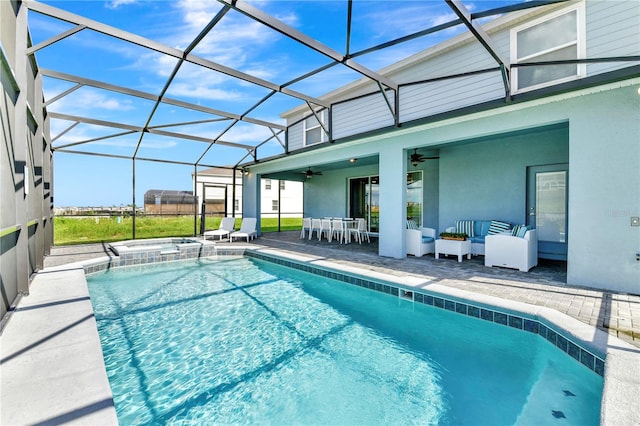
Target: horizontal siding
{"type": "Point", "coordinates": [296, 139]}
{"type": "Point", "coordinates": [361, 115]}
{"type": "Point", "coordinates": [469, 57]}
{"type": "Point", "coordinates": [427, 99]}
{"type": "Point", "coordinates": [613, 29]}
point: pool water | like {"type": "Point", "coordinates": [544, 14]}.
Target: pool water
{"type": "Point", "coordinates": [243, 341]}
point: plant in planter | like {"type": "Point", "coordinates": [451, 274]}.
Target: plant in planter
{"type": "Point", "coordinates": [458, 236]}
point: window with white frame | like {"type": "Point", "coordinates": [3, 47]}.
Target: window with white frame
{"type": "Point", "coordinates": [556, 37]}
{"type": "Point", "coordinates": [274, 205]}
{"type": "Point", "coordinates": [282, 185]}
{"type": "Point", "coordinates": [267, 184]}
{"type": "Point", "coordinates": [313, 131]}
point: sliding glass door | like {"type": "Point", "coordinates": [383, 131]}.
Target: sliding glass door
{"type": "Point", "coordinates": [414, 197]}
{"type": "Point", "coordinates": [364, 199]}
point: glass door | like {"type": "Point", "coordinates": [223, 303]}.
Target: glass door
{"type": "Point", "coordinates": [414, 197]}
{"type": "Point", "coordinates": [547, 208]}
{"type": "Point", "coordinates": [364, 200]}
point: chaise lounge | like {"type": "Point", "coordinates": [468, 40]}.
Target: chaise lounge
{"type": "Point", "coordinates": [227, 225]}
{"type": "Point", "coordinates": [247, 229]}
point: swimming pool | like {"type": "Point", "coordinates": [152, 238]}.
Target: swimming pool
{"type": "Point", "coordinates": [247, 341]}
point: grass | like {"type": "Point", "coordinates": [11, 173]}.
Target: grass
{"type": "Point", "coordinates": [71, 230]}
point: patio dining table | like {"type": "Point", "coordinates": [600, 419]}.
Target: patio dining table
{"type": "Point", "coordinates": [347, 224]}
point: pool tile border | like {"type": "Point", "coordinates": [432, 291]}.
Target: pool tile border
{"type": "Point", "coordinates": [557, 338]}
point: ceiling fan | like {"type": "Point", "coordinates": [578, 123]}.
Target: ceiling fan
{"type": "Point", "coordinates": [417, 158]}
{"type": "Point", "coordinates": [309, 173]}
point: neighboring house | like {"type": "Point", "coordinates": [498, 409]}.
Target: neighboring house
{"type": "Point", "coordinates": [278, 197]}
{"type": "Point", "coordinates": [553, 146]}
{"type": "Point", "coordinates": [162, 201]}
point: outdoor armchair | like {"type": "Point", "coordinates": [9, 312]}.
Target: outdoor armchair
{"type": "Point", "coordinates": [421, 241]}
{"type": "Point", "coordinates": [509, 251]}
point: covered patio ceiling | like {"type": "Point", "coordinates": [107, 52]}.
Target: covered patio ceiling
{"type": "Point", "coordinates": [207, 88]}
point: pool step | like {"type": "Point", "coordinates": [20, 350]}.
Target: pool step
{"type": "Point", "coordinates": [549, 402]}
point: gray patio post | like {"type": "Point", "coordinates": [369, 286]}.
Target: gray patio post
{"type": "Point", "coordinates": [393, 200]}
{"type": "Point", "coordinates": [251, 197]}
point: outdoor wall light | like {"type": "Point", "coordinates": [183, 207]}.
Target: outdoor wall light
{"type": "Point", "coordinates": [353, 160]}
{"type": "Point", "coordinates": [245, 171]}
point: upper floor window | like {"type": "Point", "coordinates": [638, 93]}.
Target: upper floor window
{"type": "Point", "coordinates": [274, 205]}
{"type": "Point", "coordinates": [267, 184]}
{"type": "Point", "coordinates": [313, 132]}
{"type": "Point", "coordinates": [282, 185]}
{"type": "Point", "coordinates": [560, 36]}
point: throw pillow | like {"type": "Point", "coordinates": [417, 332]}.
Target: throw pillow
{"type": "Point", "coordinates": [516, 230]}
{"type": "Point", "coordinates": [498, 227]}
{"type": "Point", "coordinates": [465, 227]}
{"type": "Point", "coordinates": [519, 231]}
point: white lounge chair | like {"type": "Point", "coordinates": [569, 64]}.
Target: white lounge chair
{"type": "Point", "coordinates": [227, 225]}
{"type": "Point", "coordinates": [247, 229]}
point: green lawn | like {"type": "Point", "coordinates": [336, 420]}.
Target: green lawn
{"type": "Point", "coordinates": [69, 230]}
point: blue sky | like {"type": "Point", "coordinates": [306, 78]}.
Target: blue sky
{"type": "Point", "coordinates": [237, 42]}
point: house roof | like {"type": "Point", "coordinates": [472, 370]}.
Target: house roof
{"type": "Point", "coordinates": [217, 171]}
{"type": "Point", "coordinates": [169, 196]}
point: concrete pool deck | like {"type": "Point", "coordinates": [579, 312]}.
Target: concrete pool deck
{"type": "Point", "coordinates": [51, 360]}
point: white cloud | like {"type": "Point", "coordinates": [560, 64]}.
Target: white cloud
{"type": "Point", "coordinates": [114, 4]}
{"type": "Point", "coordinates": [245, 133]}
{"type": "Point", "coordinates": [202, 91]}
{"type": "Point", "coordinates": [236, 42]}
{"type": "Point", "coordinates": [398, 21]}
{"type": "Point", "coordinates": [87, 99]}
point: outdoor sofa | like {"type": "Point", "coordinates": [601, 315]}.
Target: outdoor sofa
{"type": "Point", "coordinates": [477, 231]}
{"type": "Point", "coordinates": [500, 243]}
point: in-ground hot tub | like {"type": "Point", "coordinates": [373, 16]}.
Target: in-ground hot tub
{"type": "Point", "coordinates": [135, 252]}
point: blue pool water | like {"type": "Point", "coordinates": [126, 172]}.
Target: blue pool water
{"type": "Point", "coordinates": [243, 341]}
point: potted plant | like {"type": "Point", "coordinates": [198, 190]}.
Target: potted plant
{"type": "Point", "coordinates": [458, 236]}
